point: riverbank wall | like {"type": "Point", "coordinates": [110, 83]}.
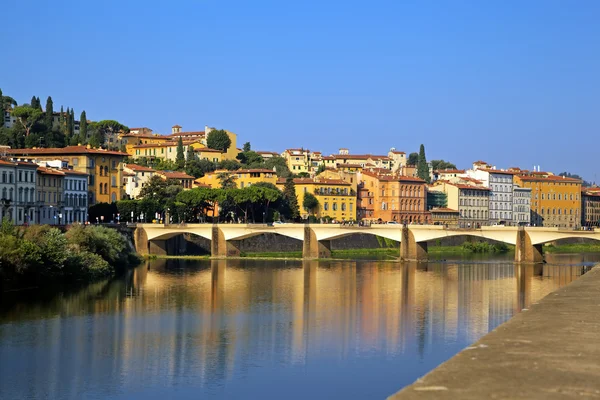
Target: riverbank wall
{"type": "Point", "coordinates": [550, 351]}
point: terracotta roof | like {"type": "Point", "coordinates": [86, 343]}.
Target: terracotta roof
{"type": "Point", "coordinates": [174, 175]}
{"type": "Point", "coordinates": [138, 168]}
{"type": "Point", "coordinates": [200, 184]}
{"type": "Point", "coordinates": [498, 171]}
{"type": "Point", "coordinates": [64, 150]}
{"type": "Point", "coordinates": [398, 152]}
{"type": "Point", "coordinates": [247, 171]}
{"type": "Point", "coordinates": [480, 162]}
{"type": "Point", "coordinates": [148, 145]}
{"type": "Point", "coordinates": [360, 156]}
{"type": "Point", "coordinates": [349, 166]}
{"type": "Point", "coordinates": [392, 177]}
{"type": "Point", "coordinates": [450, 171]}
{"type": "Point", "coordinates": [191, 133]}
{"type": "Point", "coordinates": [310, 181]}
{"type": "Point", "coordinates": [206, 150]}
{"type": "Point", "coordinates": [267, 152]}
{"type": "Point", "coordinates": [50, 171]}
{"type": "Point", "coordinates": [72, 172]}
{"type": "Point", "coordinates": [125, 173]}
{"type": "Point", "coordinates": [554, 178]}
{"type": "Point", "coordinates": [469, 187]}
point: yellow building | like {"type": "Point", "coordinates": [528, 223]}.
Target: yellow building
{"type": "Point", "coordinates": [104, 167]}
{"type": "Point", "coordinates": [242, 177]}
{"type": "Point", "coordinates": [201, 136]}
{"type": "Point", "coordinates": [134, 139]}
{"type": "Point", "coordinates": [166, 150]}
{"type": "Point", "coordinates": [336, 198]}
{"type": "Point", "coordinates": [184, 179]}
{"type": "Point", "coordinates": [204, 153]}
{"type": "Point", "coordinates": [555, 200]}
{"type": "Point", "coordinates": [297, 160]}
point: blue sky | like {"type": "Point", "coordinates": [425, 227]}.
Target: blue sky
{"type": "Point", "coordinates": [515, 83]}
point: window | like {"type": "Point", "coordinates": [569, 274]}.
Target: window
{"type": "Point", "coordinates": [334, 207]}
{"type": "Point", "coordinates": [326, 206]}
{"type": "Point", "coordinates": [351, 206]}
{"type": "Point", "coordinates": [113, 181]}
{"type": "Point", "coordinates": [75, 161]}
{"type": "Point", "coordinates": [343, 206]}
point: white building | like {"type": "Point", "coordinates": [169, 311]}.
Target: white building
{"type": "Point", "coordinates": [75, 197]}
{"type": "Point", "coordinates": [135, 177]}
{"type": "Point", "coordinates": [521, 205]}
{"type": "Point", "coordinates": [500, 183]}
{"type": "Point", "coordinates": [17, 191]}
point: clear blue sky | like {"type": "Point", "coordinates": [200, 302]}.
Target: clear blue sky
{"type": "Point", "coordinates": [515, 83]}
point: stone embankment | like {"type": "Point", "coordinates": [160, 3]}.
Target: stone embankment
{"type": "Point", "coordinates": [551, 351]}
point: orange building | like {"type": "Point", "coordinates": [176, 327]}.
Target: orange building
{"type": "Point", "coordinates": [392, 198]}
{"type": "Point", "coordinates": [555, 200]}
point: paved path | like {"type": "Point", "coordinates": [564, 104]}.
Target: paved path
{"type": "Point", "coordinates": [551, 351]}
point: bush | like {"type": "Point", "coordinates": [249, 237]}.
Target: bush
{"type": "Point", "coordinates": [485, 247]}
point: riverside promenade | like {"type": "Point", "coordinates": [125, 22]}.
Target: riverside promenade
{"type": "Point", "coordinates": [550, 351]}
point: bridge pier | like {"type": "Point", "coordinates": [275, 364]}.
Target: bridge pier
{"type": "Point", "coordinates": [140, 241]}
{"type": "Point", "coordinates": [219, 247]}
{"type": "Point", "coordinates": [525, 252]}
{"type": "Point", "coordinates": [410, 249]}
{"type": "Point", "coordinates": [157, 247]}
{"type": "Point", "coordinates": [313, 248]}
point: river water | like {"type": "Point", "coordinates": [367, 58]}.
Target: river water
{"type": "Point", "coordinates": [261, 329]}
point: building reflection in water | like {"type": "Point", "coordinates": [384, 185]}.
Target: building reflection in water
{"type": "Point", "coordinates": [203, 324]}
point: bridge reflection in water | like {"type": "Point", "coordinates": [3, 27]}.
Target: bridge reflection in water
{"type": "Point", "coordinates": [211, 327]}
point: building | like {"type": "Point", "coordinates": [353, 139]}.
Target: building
{"type": "Point", "coordinates": [398, 159]}
{"type": "Point", "coordinates": [103, 167]}
{"type": "Point", "coordinates": [182, 178]}
{"type": "Point", "coordinates": [471, 201]}
{"type": "Point", "coordinates": [521, 206]}
{"type": "Point", "coordinates": [500, 183]}
{"type": "Point", "coordinates": [297, 160]}
{"type": "Point", "coordinates": [17, 188]}
{"type": "Point", "coordinates": [337, 199]}
{"type": "Point", "coordinates": [135, 177]}
{"type": "Point", "coordinates": [445, 216]}
{"type": "Point", "coordinates": [242, 177]}
{"type": "Point", "coordinates": [447, 174]}
{"type": "Point", "coordinates": [202, 136]}
{"type": "Point", "coordinates": [50, 190]}
{"type": "Point", "coordinates": [590, 206]}
{"type": "Point", "coordinates": [387, 197]}
{"type": "Point", "coordinates": [555, 200]}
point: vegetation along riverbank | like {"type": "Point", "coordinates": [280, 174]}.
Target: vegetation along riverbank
{"type": "Point", "coordinates": [40, 255]}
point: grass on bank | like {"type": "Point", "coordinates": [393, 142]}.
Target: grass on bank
{"type": "Point", "coordinates": [573, 248]}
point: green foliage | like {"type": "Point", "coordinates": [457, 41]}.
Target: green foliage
{"type": "Point", "coordinates": [198, 168]}
{"type": "Point", "coordinates": [218, 140]}
{"type": "Point", "coordinates": [413, 159]}
{"type": "Point", "coordinates": [99, 210]}
{"type": "Point", "coordinates": [42, 254]}
{"type": "Point", "coordinates": [436, 200]}
{"type": "Point", "coordinates": [250, 157]}
{"type": "Point", "coordinates": [102, 132]}
{"type": "Point", "coordinates": [485, 247]}
{"type": "Point", "coordinates": [180, 159]}
{"type": "Point", "coordinates": [226, 180]}
{"type": "Point", "coordinates": [160, 190]}
{"type": "Point", "coordinates": [247, 147]}
{"type": "Point", "coordinates": [321, 169]}
{"type": "Point", "coordinates": [302, 175]}
{"type": "Point", "coordinates": [310, 202]}
{"type": "Point", "coordinates": [27, 117]}
{"type": "Point", "coordinates": [290, 207]}
{"type": "Point", "coordinates": [83, 127]}
{"type": "Point", "coordinates": [230, 165]}
{"type": "Point", "coordinates": [49, 118]}
{"type": "Point", "coordinates": [166, 165]}
{"type": "Point", "coordinates": [126, 208]}
{"type": "Point", "coordinates": [441, 165]}
{"type": "Point", "coordinates": [422, 167]}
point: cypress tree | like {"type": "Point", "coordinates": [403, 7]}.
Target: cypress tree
{"type": "Point", "coordinates": [422, 167]}
{"type": "Point", "coordinates": [67, 119]}
{"type": "Point", "coordinates": [191, 154]}
{"type": "Point", "coordinates": [291, 200]}
{"type": "Point", "coordinates": [180, 159]}
{"type": "Point", "coordinates": [83, 126]}
{"type": "Point", "coordinates": [33, 102]}
{"type": "Point", "coordinates": [72, 123]}
{"type": "Point", "coordinates": [38, 103]}
{"type": "Point", "coordinates": [49, 119]}
{"type": "Point", "coordinates": [61, 119]}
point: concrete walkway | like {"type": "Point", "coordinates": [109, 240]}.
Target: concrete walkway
{"type": "Point", "coordinates": [551, 351]}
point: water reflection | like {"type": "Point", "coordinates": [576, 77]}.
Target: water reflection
{"type": "Point", "coordinates": [260, 329]}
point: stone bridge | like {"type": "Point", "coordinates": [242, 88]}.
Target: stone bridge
{"type": "Point", "coordinates": [316, 238]}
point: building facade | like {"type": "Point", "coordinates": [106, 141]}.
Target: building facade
{"type": "Point", "coordinates": [104, 168]}
{"type": "Point", "coordinates": [471, 201]}
{"type": "Point", "coordinates": [17, 191]}
{"type": "Point", "coordinates": [137, 177]}
{"type": "Point", "coordinates": [590, 207]}
{"type": "Point", "coordinates": [50, 192]}
{"type": "Point", "coordinates": [75, 197]}
{"type": "Point", "coordinates": [521, 206]}
{"type": "Point", "coordinates": [555, 200]}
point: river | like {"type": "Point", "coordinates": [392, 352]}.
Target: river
{"type": "Point", "coordinates": [262, 329]}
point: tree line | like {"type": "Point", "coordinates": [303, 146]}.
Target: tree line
{"type": "Point", "coordinates": [36, 126]}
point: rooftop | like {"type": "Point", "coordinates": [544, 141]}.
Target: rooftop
{"type": "Point", "coordinates": [64, 150]}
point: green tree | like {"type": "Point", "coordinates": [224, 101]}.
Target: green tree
{"type": "Point", "coordinates": [422, 167]}
{"type": "Point", "coordinates": [83, 127]}
{"type": "Point", "coordinates": [250, 158]}
{"type": "Point", "coordinates": [72, 123]}
{"type": "Point", "coordinates": [27, 117]}
{"type": "Point", "coordinates": [437, 165]}
{"type": "Point", "coordinates": [247, 147]}
{"type": "Point", "coordinates": [290, 208]}
{"type": "Point", "coordinates": [33, 103]}
{"type": "Point", "coordinates": [321, 169]}
{"type": "Point", "coordinates": [218, 140]}
{"type": "Point", "coordinates": [279, 164]}
{"type": "Point", "coordinates": [198, 202]}
{"type": "Point", "coordinates": [180, 159]}
{"type": "Point", "coordinates": [227, 180]}
{"type": "Point", "coordinates": [413, 159]}
{"type": "Point", "coordinates": [49, 116]}
{"type": "Point", "coordinates": [61, 120]}
{"type": "Point", "coordinates": [198, 168]}
{"type": "Point", "coordinates": [309, 203]}
{"type": "Point", "coordinates": [230, 165]}
{"type": "Point", "coordinates": [7, 102]}
{"type": "Point", "coordinates": [191, 154]}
